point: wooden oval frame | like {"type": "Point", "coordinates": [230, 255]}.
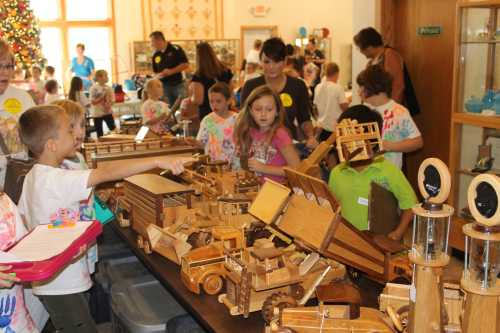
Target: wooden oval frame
{"type": "Point", "coordinates": [492, 180]}
{"type": "Point", "coordinates": [444, 175]}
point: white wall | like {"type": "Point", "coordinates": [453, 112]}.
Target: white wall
{"type": "Point", "coordinates": [290, 15]}
{"type": "Point", "coordinates": [129, 28]}
{"type": "Point", "coordinates": [343, 18]}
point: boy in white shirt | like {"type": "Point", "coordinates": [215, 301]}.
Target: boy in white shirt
{"type": "Point", "coordinates": [47, 188]}
{"type": "Point", "coordinates": [400, 134]}
{"type": "Point", "coordinates": [329, 98]}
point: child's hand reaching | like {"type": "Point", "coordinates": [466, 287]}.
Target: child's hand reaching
{"type": "Point", "coordinates": [7, 279]}
{"type": "Point", "coordinates": [176, 164]}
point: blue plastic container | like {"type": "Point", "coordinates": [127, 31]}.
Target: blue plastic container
{"type": "Point", "coordinates": [488, 99]}
{"type": "Point", "coordinates": [474, 105]}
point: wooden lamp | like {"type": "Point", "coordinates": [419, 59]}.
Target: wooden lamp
{"type": "Point", "coordinates": [482, 257]}
{"type": "Point", "coordinates": [428, 254]}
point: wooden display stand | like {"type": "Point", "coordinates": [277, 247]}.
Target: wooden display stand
{"type": "Point", "coordinates": [480, 279]}
{"type": "Point", "coordinates": [427, 254]}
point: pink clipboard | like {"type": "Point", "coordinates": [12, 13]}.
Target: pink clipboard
{"type": "Point", "coordinates": [28, 271]}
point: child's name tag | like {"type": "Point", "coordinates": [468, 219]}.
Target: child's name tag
{"type": "Point", "coordinates": [363, 201]}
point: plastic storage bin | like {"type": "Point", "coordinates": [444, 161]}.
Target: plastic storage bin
{"type": "Point", "coordinates": [184, 324]}
{"type": "Point", "coordinates": [110, 271]}
{"type": "Point", "coordinates": [142, 305]}
{"type": "Point", "coordinates": [116, 270]}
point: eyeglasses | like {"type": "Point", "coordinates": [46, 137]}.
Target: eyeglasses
{"type": "Point", "coordinates": [6, 67]}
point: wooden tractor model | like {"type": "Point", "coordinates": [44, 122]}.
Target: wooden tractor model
{"type": "Point", "coordinates": [266, 277]}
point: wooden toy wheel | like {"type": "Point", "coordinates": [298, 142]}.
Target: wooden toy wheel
{"type": "Point", "coordinates": [483, 196]}
{"type": "Point", "coordinates": [297, 291]}
{"type": "Point", "coordinates": [396, 320]}
{"type": "Point", "coordinates": [212, 284]}
{"type": "Point", "coordinates": [434, 180]}
{"type": "Point", "coordinates": [278, 301]}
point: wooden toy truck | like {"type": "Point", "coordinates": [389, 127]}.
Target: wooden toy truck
{"type": "Point", "coordinates": [330, 316]}
{"type": "Point", "coordinates": [308, 212]}
{"type": "Point", "coordinates": [264, 278]}
{"type": "Point", "coordinates": [149, 199]}
{"type": "Point", "coordinates": [204, 266]}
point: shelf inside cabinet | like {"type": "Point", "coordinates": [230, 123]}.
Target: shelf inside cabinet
{"type": "Point", "coordinates": [469, 172]}
{"type": "Point", "coordinates": [480, 42]}
{"type": "Point", "coordinates": [476, 119]}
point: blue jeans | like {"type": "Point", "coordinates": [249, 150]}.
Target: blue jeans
{"type": "Point", "coordinates": [172, 92]}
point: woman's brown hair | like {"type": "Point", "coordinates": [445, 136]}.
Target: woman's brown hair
{"type": "Point", "coordinates": [207, 63]}
{"type": "Point", "coordinates": [245, 120]}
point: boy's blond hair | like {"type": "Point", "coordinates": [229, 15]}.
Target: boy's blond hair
{"type": "Point", "coordinates": [100, 72]}
{"type": "Point", "coordinates": [331, 69]}
{"type": "Point", "coordinates": [74, 110]}
{"type": "Point", "coordinates": [39, 124]}
{"type": "Point", "coordinates": [6, 51]}
{"type": "Point", "coordinates": [147, 87]}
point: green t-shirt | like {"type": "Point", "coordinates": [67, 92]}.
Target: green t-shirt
{"type": "Point", "coordinates": [351, 188]}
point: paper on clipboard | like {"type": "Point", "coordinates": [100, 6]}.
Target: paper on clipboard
{"type": "Point", "coordinates": [44, 243]}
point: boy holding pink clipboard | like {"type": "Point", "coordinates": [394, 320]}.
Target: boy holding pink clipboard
{"type": "Point", "coordinates": [48, 133]}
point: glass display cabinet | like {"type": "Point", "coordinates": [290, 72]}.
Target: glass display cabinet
{"type": "Point", "coordinates": [475, 120]}
{"type": "Point", "coordinates": [227, 50]}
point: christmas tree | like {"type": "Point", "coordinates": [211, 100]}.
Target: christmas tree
{"type": "Point", "coordinates": [19, 27]}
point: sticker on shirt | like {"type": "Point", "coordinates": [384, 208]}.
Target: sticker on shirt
{"type": "Point", "coordinates": [286, 99]}
{"type": "Point", "coordinates": [12, 105]}
{"type": "Point", "coordinates": [157, 59]}
{"type": "Point", "coordinates": [362, 201]}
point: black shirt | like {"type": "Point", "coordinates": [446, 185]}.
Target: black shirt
{"type": "Point", "coordinates": [294, 97]}
{"type": "Point", "coordinates": [172, 57]}
{"type": "Point", "coordinates": [204, 108]}
{"type": "Point", "coordinates": [315, 56]}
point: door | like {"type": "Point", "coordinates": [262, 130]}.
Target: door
{"type": "Point", "coordinates": [429, 59]}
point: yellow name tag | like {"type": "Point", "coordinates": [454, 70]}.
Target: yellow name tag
{"type": "Point", "coordinates": [157, 59]}
{"type": "Point", "coordinates": [12, 105]}
{"type": "Point", "coordinates": [286, 99]}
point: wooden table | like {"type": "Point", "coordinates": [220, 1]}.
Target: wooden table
{"type": "Point", "coordinates": [209, 313]}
